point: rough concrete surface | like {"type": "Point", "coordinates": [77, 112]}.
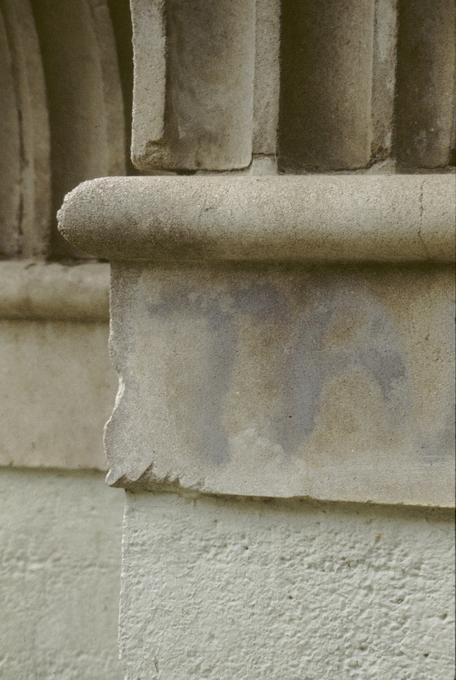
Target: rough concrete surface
{"type": "Point", "coordinates": [56, 392]}
{"type": "Point", "coordinates": [59, 576]}
{"type": "Point", "coordinates": [334, 383]}
{"type": "Point", "coordinates": [217, 590]}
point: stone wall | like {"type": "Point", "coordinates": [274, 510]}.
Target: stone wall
{"type": "Point", "coordinates": [254, 589]}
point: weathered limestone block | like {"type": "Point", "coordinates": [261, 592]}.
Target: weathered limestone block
{"type": "Point", "coordinates": [334, 385]}
{"type": "Point", "coordinates": [249, 368]}
{"type": "Point", "coordinates": [426, 82]}
{"type": "Point", "coordinates": [25, 198]}
{"type": "Point", "coordinates": [85, 104]}
{"type": "Point", "coordinates": [193, 84]}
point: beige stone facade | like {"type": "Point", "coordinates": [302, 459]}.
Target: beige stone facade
{"type": "Point", "coordinates": [281, 330]}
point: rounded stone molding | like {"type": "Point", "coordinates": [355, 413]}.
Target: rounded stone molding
{"type": "Point", "coordinates": [319, 218]}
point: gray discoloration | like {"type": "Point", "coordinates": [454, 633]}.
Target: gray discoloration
{"type": "Point", "coordinates": [300, 369]}
{"type": "Point", "coordinates": [197, 408]}
{"type": "Point", "coordinates": [282, 382]}
{"type": "Point", "coordinates": [372, 345]}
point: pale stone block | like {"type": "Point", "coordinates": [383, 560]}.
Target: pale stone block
{"type": "Point", "coordinates": [149, 42]}
{"type": "Point", "coordinates": [225, 590]}
{"type": "Point", "coordinates": [329, 383]}
{"type": "Point", "coordinates": [56, 392]}
{"type": "Point", "coordinates": [194, 74]}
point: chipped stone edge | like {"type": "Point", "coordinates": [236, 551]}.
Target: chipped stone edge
{"type": "Point", "coordinates": [300, 219]}
{"type": "Point", "coordinates": [40, 291]}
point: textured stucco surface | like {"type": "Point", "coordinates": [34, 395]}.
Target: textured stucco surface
{"type": "Point", "coordinates": [60, 537]}
{"type": "Point", "coordinates": [218, 590]}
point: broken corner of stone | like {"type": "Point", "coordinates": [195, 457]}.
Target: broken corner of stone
{"type": "Point", "coordinates": [282, 337]}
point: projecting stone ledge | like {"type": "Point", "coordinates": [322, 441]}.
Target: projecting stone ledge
{"type": "Point", "coordinates": [331, 382]}
{"type": "Point", "coordinates": [350, 218]}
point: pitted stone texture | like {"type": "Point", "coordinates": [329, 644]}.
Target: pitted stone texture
{"type": "Point", "coordinates": [349, 218]}
{"type": "Point", "coordinates": [331, 383]}
{"type": "Point", "coordinates": [217, 590]}
{"type": "Point", "coordinates": [59, 576]}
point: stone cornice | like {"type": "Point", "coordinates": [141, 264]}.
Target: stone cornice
{"type": "Point", "coordinates": [36, 290]}
{"type": "Point", "coordinates": [317, 218]}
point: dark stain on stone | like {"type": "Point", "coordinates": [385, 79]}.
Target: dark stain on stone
{"type": "Point", "coordinates": [301, 368]}
{"type": "Point", "coordinates": [375, 348]}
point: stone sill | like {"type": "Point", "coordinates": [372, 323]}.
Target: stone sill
{"type": "Point", "coordinates": [296, 219]}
